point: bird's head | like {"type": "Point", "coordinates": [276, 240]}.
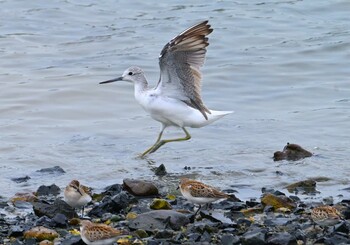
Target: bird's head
{"type": "Point", "coordinates": [132, 74]}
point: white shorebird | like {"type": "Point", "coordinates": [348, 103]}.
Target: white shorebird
{"type": "Point", "coordinates": [176, 100]}
{"type": "Point", "coordinates": [75, 196]}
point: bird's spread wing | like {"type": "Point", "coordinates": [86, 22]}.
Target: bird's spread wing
{"type": "Point", "coordinates": [180, 61]}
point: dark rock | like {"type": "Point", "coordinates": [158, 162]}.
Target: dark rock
{"type": "Point", "coordinates": [72, 240]}
{"type": "Point", "coordinates": [16, 231]}
{"type": "Point", "coordinates": [229, 239]}
{"type": "Point", "coordinates": [342, 227]}
{"type": "Point", "coordinates": [292, 152]}
{"type": "Point", "coordinates": [283, 238]}
{"type": "Point", "coordinates": [30, 241]}
{"type": "Point", "coordinates": [23, 205]}
{"type": "Point", "coordinates": [206, 237]}
{"type": "Point", "coordinates": [50, 210]}
{"type": "Point", "coordinates": [113, 190]}
{"type": "Point", "coordinates": [337, 239]}
{"type": "Point", "coordinates": [164, 234]}
{"type": "Point", "coordinates": [160, 171]}
{"type": "Point", "coordinates": [53, 170]}
{"type": "Point", "coordinates": [21, 179]}
{"type": "Point", "coordinates": [303, 187]}
{"type": "Point", "coordinates": [60, 220]}
{"type": "Point", "coordinates": [43, 221]}
{"type": "Point", "coordinates": [111, 205]}
{"type": "Point", "coordinates": [140, 187]}
{"type": "Point", "coordinates": [159, 219]}
{"type": "Point", "coordinates": [255, 236]}
{"type": "Point", "coordinates": [251, 203]}
{"type": "Point", "coordinates": [194, 237]}
{"type": "Point", "coordinates": [45, 190]}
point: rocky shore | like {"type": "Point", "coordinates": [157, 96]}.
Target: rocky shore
{"type": "Point", "coordinates": [154, 212]}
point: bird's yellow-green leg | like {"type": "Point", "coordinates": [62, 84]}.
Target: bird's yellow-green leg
{"type": "Point", "coordinates": [157, 141]}
{"type": "Point", "coordinates": [162, 142]}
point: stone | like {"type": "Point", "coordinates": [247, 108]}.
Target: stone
{"type": "Point", "coordinates": [277, 201]}
{"type": "Point", "coordinates": [303, 187]}
{"type": "Point", "coordinates": [111, 205]}
{"type": "Point", "coordinates": [41, 233]}
{"type": "Point", "coordinates": [164, 234]}
{"type": "Point", "coordinates": [229, 239]}
{"type": "Point", "coordinates": [72, 240]}
{"type": "Point", "coordinates": [140, 187]}
{"type": "Point", "coordinates": [292, 152]}
{"type": "Point", "coordinates": [45, 190]}
{"type": "Point", "coordinates": [141, 233]}
{"type": "Point", "coordinates": [160, 171]}
{"type": "Point", "coordinates": [337, 239]}
{"type": "Point", "coordinates": [255, 236]}
{"type": "Point", "coordinates": [113, 190]}
{"type": "Point", "coordinates": [21, 179]}
{"type": "Point", "coordinates": [50, 210]}
{"type": "Point", "coordinates": [60, 220]}
{"type": "Point", "coordinates": [159, 219]}
{"type": "Point", "coordinates": [160, 204]}
{"type": "Point", "coordinates": [283, 238]}
{"type": "Point", "coordinates": [52, 170]}
{"type": "Point", "coordinates": [25, 197]}
{"type": "Point", "coordinates": [16, 231]}
{"type": "Point", "coordinates": [46, 242]}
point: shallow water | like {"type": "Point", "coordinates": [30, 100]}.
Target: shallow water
{"type": "Point", "coordinates": [282, 66]}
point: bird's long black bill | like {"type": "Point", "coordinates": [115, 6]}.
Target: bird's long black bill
{"type": "Point", "coordinates": [112, 80]}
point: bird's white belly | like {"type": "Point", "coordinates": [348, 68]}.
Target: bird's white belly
{"type": "Point", "coordinates": [172, 112]}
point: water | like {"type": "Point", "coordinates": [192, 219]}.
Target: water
{"type": "Point", "coordinates": [282, 66]}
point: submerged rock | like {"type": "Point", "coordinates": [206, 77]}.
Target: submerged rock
{"type": "Point", "coordinates": [140, 187]}
{"type": "Point", "coordinates": [160, 171]}
{"type": "Point", "coordinates": [292, 152]}
{"type": "Point", "coordinates": [41, 233]}
{"type": "Point", "coordinates": [159, 219]}
{"type": "Point", "coordinates": [53, 170]}
{"type": "Point", "coordinates": [305, 186]}
{"type": "Point", "coordinates": [21, 179]}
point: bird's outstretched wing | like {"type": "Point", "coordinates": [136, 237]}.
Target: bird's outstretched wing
{"type": "Point", "coordinates": [180, 62]}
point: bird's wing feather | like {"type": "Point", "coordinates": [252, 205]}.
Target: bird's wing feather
{"type": "Point", "coordinates": [103, 232]}
{"type": "Point", "coordinates": [180, 62]}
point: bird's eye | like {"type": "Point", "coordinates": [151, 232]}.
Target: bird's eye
{"type": "Point", "coordinates": [130, 73]}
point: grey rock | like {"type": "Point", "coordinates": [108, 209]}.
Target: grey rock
{"type": "Point", "coordinates": [111, 205]}
{"type": "Point", "coordinates": [113, 190]}
{"type": "Point", "coordinates": [140, 187]}
{"type": "Point", "coordinates": [45, 190]}
{"type": "Point", "coordinates": [255, 236]}
{"type": "Point", "coordinates": [60, 220]}
{"type": "Point", "coordinates": [229, 239]}
{"type": "Point", "coordinates": [159, 219]}
{"type": "Point", "coordinates": [52, 170]}
{"type": "Point", "coordinates": [21, 179]}
{"type": "Point", "coordinates": [50, 210]}
{"type": "Point", "coordinates": [164, 234]}
{"type": "Point", "coordinates": [283, 238]}
{"type": "Point", "coordinates": [72, 240]}
{"type": "Point", "coordinates": [160, 171]}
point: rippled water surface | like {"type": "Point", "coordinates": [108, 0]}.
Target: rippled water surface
{"type": "Point", "coordinates": [282, 66]}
